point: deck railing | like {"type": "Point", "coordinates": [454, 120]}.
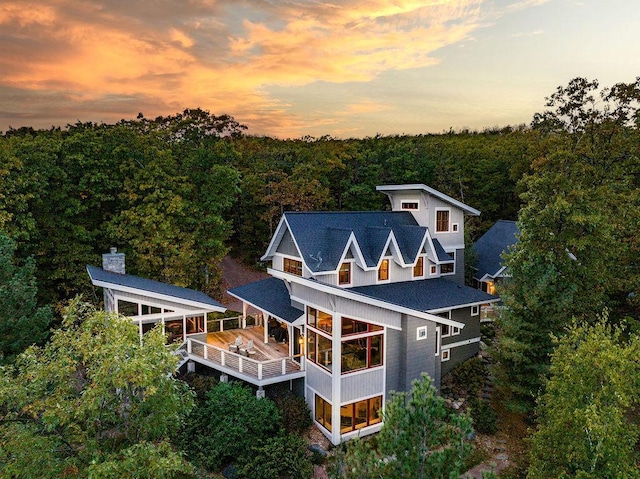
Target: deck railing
{"type": "Point", "coordinates": [247, 366]}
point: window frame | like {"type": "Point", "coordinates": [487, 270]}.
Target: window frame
{"type": "Point", "coordinates": [446, 355]}
{"type": "Point", "coordinates": [325, 405]}
{"type": "Point", "coordinates": [380, 269]}
{"type": "Point", "coordinates": [475, 308]}
{"type": "Point", "coordinates": [407, 205]}
{"type": "Point", "coordinates": [348, 264]}
{"type": "Point", "coordinates": [452, 265]}
{"type": "Point", "coordinates": [439, 222]}
{"type": "Point", "coordinates": [369, 413]}
{"type": "Point", "coordinates": [287, 266]}
{"type": "Point", "coordinates": [419, 266]}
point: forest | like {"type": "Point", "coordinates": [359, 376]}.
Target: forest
{"type": "Point", "coordinates": [178, 193]}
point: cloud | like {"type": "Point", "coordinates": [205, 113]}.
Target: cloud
{"type": "Point", "coordinates": [109, 58]}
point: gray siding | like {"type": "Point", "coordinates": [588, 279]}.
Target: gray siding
{"type": "Point", "coordinates": [318, 380]}
{"type": "Point", "coordinates": [471, 326]}
{"type": "Point", "coordinates": [357, 385]}
{"type": "Point", "coordinates": [459, 276]}
{"type": "Point", "coordinates": [459, 355]}
{"type": "Point", "coordinates": [287, 246]}
{"type": "Point", "coordinates": [408, 357]}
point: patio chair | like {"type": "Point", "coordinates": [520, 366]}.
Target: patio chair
{"type": "Point", "coordinates": [248, 351]}
{"type": "Point", "coordinates": [235, 346]}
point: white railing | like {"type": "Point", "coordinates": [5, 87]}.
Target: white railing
{"type": "Point", "coordinates": [247, 366]}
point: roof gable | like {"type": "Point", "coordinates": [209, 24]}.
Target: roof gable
{"type": "Point", "coordinates": [492, 244]}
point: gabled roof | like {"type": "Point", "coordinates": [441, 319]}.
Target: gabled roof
{"type": "Point", "coordinates": [427, 189]}
{"type": "Point", "coordinates": [130, 283]}
{"type": "Point", "coordinates": [442, 255]}
{"type": "Point", "coordinates": [270, 295]}
{"type": "Point", "coordinates": [427, 295]}
{"type": "Point", "coordinates": [322, 237]}
{"type": "Point", "coordinates": [492, 244]}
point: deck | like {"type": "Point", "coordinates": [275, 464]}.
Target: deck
{"type": "Point", "coordinates": [270, 363]}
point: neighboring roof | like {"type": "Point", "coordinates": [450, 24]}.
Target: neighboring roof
{"type": "Point", "coordinates": [270, 295]}
{"type": "Point", "coordinates": [108, 279]}
{"type": "Point", "coordinates": [492, 244]}
{"type": "Point", "coordinates": [322, 237]}
{"type": "Point", "coordinates": [420, 187]}
{"type": "Point", "coordinates": [426, 295]}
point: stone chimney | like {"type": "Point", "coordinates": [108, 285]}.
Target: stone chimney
{"type": "Point", "coordinates": [113, 261]}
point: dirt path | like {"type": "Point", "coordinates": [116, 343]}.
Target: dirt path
{"type": "Point", "coordinates": [234, 274]}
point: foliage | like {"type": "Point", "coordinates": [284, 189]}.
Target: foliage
{"type": "Point", "coordinates": [485, 419]}
{"type": "Point", "coordinates": [22, 323]}
{"type": "Point", "coordinates": [583, 429]}
{"type": "Point", "coordinates": [92, 395]}
{"type": "Point", "coordinates": [470, 376]}
{"type": "Point", "coordinates": [227, 425]}
{"type": "Point", "coordinates": [296, 416]}
{"type": "Point", "coordinates": [279, 457]}
{"type": "Point", "coordinates": [580, 217]}
{"type": "Point", "coordinates": [420, 438]}
{"type": "Point", "coordinates": [200, 384]}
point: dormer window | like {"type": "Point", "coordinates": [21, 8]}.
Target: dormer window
{"type": "Point", "coordinates": [344, 275]}
{"type": "Point", "coordinates": [409, 205]}
{"type": "Point", "coordinates": [292, 266]}
{"type": "Point", "coordinates": [442, 221]}
{"type": "Point", "coordinates": [418, 269]}
{"type": "Point", "coordinates": [383, 270]}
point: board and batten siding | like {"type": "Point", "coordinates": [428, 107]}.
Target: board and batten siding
{"type": "Point", "coordinates": [361, 384]}
{"type": "Point", "coordinates": [319, 380]}
{"type": "Point", "coordinates": [287, 246]}
{"type": "Point", "coordinates": [407, 357]}
{"type": "Point", "coordinates": [470, 332]}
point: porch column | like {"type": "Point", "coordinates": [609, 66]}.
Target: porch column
{"type": "Point", "coordinates": [336, 392]}
{"type": "Point", "coordinates": [265, 328]}
{"type": "Point", "coordinates": [184, 327]}
{"type": "Point", "coordinates": [162, 320]}
{"type": "Point", "coordinates": [291, 338]}
{"type": "Point", "coordinates": [244, 315]}
{"type": "Point", "coordinates": [140, 328]}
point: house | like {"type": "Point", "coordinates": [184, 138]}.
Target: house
{"type": "Point", "coordinates": [370, 300]}
{"type": "Point", "coordinates": [357, 305]}
{"type": "Point", "coordinates": [180, 311]}
{"type": "Point", "coordinates": [489, 249]}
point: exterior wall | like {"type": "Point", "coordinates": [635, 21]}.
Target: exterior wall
{"type": "Point", "coordinates": [471, 332]}
{"type": "Point", "coordinates": [319, 380]}
{"type": "Point", "coordinates": [456, 215]}
{"type": "Point", "coordinates": [287, 246]}
{"type": "Point", "coordinates": [361, 384]}
{"type": "Point", "coordinates": [458, 355]}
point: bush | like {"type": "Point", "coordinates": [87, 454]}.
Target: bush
{"type": "Point", "coordinates": [279, 457]}
{"type": "Point", "coordinates": [200, 384]}
{"type": "Point", "coordinates": [227, 425]}
{"type": "Point", "coordinates": [485, 419]}
{"type": "Point", "coordinates": [470, 376]}
{"type": "Point", "coordinates": [296, 416]}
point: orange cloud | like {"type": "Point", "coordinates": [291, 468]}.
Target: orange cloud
{"type": "Point", "coordinates": [222, 57]}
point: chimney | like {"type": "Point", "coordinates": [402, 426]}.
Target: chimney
{"type": "Point", "coordinates": [113, 261]}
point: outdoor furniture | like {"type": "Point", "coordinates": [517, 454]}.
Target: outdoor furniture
{"type": "Point", "coordinates": [248, 351]}
{"type": "Point", "coordinates": [235, 346]}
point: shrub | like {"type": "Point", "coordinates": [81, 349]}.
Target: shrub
{"type": "Point", "coordinates": [200, 384]}
{"type": "Point", "coordinates": [470, 376]}
{"type": "Point", "coordinates": [485, 419]}
{"type": "Point", "coordinates": [279, 457]}
{"type": "Point", "coordinates": [227, 425]}
{"type": "Point", "coordinates": [296, 416]}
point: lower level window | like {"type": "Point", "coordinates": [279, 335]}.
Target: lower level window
{"type": "Point", "coordinates": [323, 412]}
{"type": "Point", "coordinates": [360, 414]}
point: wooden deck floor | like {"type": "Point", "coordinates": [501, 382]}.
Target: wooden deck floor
{"type": "Point", "coordinates": [263, 352]}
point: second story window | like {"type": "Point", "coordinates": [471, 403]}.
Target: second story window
{"type": "Point", "coordinates": [409, 205]}
{"type": "Point", "coordinates": [292, 266]}
{"type": "Point", "coordinates": [418, 269]}
{"type": "Point", "coordinates": [442, 221]}
{"type": "Point", "coordinates": [344, 275]}
{"type": "Point", "coordinates": [383, 271]}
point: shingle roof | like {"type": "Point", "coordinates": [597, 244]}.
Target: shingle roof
{"type": "Point", "coordinates": [169, 290]}
{"type": "Point", "coordinates": [443, 256]}
{"type": "Point", "coordinates": [322, 236]}
{"type": "Point", "coordinates": [426, 295]}
{"type": "Point", "coordinates": [492, 244]}
{"type": "Point", "coordinates": [270, 295]}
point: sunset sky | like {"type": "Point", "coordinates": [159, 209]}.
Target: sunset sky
{"type": "Point", "coordinates": [350, 68]}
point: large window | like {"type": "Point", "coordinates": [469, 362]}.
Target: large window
{"type": "Point", "coordinates": [323, 412]}
{"type": "Point", "coordinates": [344, 275]}
{"type": "Point", "coordinates": [320, 319]}
{"type": "Point", "coordinates": [292, 266]}
{"type": "Point", "coordinates": [383, 271]}
{"type": "Point", "coordinates": [442, 221]}
{"type": "Point", "coordinates": [360, 414]}
{"type": "Point", "coordinates": [418, 269]}
{"type": "Point", "coordinates": [362, 352]}
{"type": "Point", "coordinates": [319, 349]}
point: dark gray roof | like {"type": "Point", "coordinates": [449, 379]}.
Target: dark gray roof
{"type": "Point", "coordinates": [322, 236]}
{"type": "Point", "coordinates": [443, 256]}
{"type": "Point", "coordinates": [426, 295]}
{"type": "Point", "coordinates": [129, 281]}
{"type": "Point", "coordinates": [270, 295]}
{"type": "Point", "coordinates": [492, 244]}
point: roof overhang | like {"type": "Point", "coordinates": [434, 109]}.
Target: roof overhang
{"type": "Point", "coordinates": [387, 189]}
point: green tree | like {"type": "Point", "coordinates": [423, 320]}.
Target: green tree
{"type": "Point", "coordinates": [580, 217]}
{"type": "Point", "coordinates": [584, 429]}
{"type": "Point", "coordinates": [22, 322]}
{"type": "Point", "coordinates": [420, 438]}
{"type": "Point", "coordinates": [277, 457]}
{"type": "Point", "coordinates": [92, 395]}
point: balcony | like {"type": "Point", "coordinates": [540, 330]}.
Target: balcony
{"type": "Point", "coordinates": [269, 363]}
